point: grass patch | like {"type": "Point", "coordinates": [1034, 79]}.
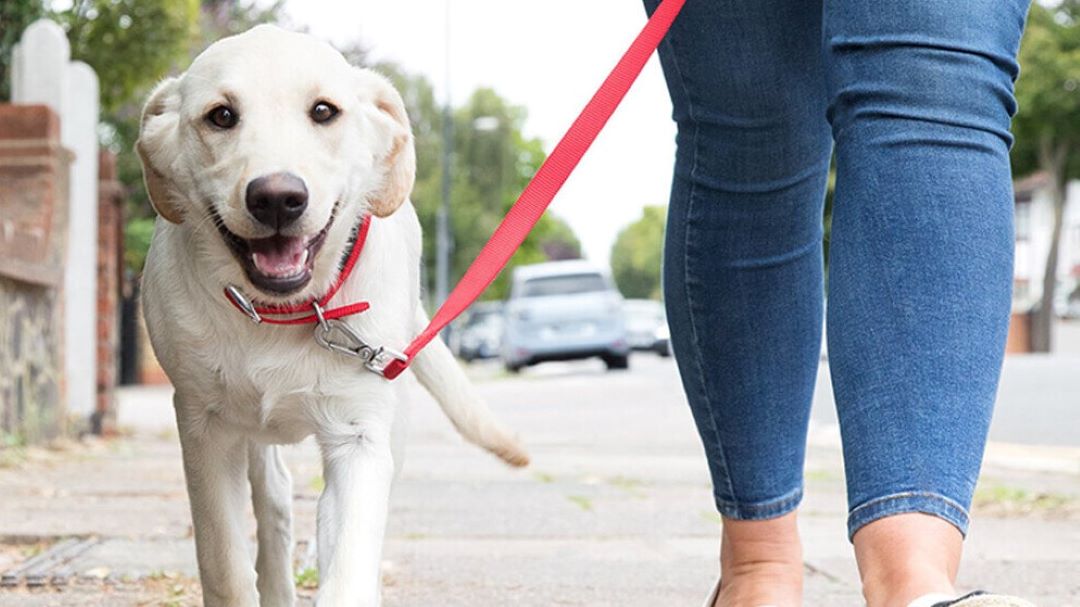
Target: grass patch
{"type": "Point", "coordinates": [626, 483]}
{"type": "Point", "coordinates": [12, 450]}
{"type": "Point", "coordinates": [1014, 501]}
{"type": "Point", "coordinates": [581, 502]}
{"type": "Point", "coordinates": [821, 475]}
{"type": "Point", "coordinates": [307, 578]}
{"type": "Point", "coordinates": [634, 487]}
{"type": "Point", "coordinates": [158, 575]}
{"type": "Point", "coordinates": [169, 589]}
{"type": "Point", "coordinates": [544, 477]}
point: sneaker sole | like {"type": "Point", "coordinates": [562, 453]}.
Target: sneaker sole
{"type": "Point", "coordinates": [992, 600]}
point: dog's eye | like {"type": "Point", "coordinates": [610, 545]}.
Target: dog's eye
{"type": "Point", "coordinates": [223, 117]}
{"type": "Point", "coordinates": [323, 112]}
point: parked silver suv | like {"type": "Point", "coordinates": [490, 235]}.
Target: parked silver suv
{"type": "Point", "coordinates": [564, 310]}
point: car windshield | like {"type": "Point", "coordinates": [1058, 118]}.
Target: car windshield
{"type": "Point", "coordinates": [486, 321]}
{"type": "Point", "coordinates": [482, 318]}
{"type": "Point", "coordinates": [567, 284]}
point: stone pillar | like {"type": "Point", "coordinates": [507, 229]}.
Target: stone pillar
{"type": "Point", "coordinates": [34, 170]}
{"type": "Point", "coordinates": [44, 74]}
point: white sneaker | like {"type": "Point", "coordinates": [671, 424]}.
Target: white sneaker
{"type": "Point", "coordinates": [974, 599]}
{"type": "Point", "coordinates": [709, 602]}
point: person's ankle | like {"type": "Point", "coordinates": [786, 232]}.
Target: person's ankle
{"type": "Point", "coordinates": [906, 556]}
{"type": "Point", "coordinates": [772, 582]}
{"type": "Point", "coordinates": [761, 563]}
{"type": "Point", "coordinates": [899, 586]}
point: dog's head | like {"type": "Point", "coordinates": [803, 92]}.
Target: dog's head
{"type": "Point", "coordinates": [269, 150]}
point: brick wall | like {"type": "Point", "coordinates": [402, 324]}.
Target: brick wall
{"type": "Point", "coordinates": [33, 228]}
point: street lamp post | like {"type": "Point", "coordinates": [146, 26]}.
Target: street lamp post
{"type": "Point", "coordinates": [442, 228]}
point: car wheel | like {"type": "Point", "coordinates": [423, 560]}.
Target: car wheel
{"type": "Point", "coordinates": [617, 362]}
{"type": "Point", "coordinates": [663, 349]}
{"type": "Point", "coordinates": [513, 367]}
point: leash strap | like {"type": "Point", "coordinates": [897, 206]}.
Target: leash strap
{"type": "Point", "coordinates": [530, 206]}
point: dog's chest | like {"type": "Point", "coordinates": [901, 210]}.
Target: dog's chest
{"type": "Point", "coordinates": [274, 393]}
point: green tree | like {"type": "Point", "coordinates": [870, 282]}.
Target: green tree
{"type": "Point", "coordinates": [1047, 127]}
{"type": "Point", "coordinates": [206, 22]}
{"type": "Point", "coordinates": [492, 161]}
{"type": "Point", "coordinates": [129, 43]}
{"type": "Point", "coordinates": [221, 18]}
{"type": "Point", "coordinates": [636, 254]}
{"type": "Point", "coordinates": [15, 15]}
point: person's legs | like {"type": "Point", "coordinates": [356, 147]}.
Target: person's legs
{"type": "Point", "coordinates": [921, 269]}
{"type": "Point", "coordinates": [743, 266]}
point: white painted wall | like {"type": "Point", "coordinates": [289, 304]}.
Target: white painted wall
{"type": "Point", "coordinates": [44, 74]}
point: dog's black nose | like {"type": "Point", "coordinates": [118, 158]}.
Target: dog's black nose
{"type": "Point", "coordinates": [277, 199]}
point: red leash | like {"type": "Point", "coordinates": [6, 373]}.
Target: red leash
{"type": "Point", "coordinates": [521, 218]}
{"type": "Point", "coordinates": [261, 314]}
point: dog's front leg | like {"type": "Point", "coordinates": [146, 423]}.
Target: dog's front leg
{"type": "Point", "coordinates": [215, 462]}
{"type": "Point", "coordinates": [358, 467]}
{"type": "Point", "coordinates": [271, 495]}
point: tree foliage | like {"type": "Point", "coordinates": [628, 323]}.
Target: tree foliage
{"type": "Point", "coordinates": [1048, 91]}
{"type": "Point", "coordinates": [636, 255]}
{"type": "Point", "coordinates": [129, 43]}
{"type": "Point", "coordinates": [1047, 126]}
{"type": "Point", "coordinates": [491, 162]}
{"type": "Point", "coordinates": [15, 15]}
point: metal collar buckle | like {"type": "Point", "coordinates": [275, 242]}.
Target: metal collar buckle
{"type": "Point", "coordinates": [337, 336]}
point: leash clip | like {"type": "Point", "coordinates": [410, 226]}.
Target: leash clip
{"type": "Point", "coordinates": [337, 336]}
{"type": "Point", "coordinates": [244, 304]}
{"type": "Point", "coordinates": [382, 358]}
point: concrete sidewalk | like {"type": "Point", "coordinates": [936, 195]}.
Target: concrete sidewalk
{"type": "Point", "coordinates": [615, 509]}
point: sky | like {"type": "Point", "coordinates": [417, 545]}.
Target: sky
{"type": "Point", "coordinates": [546, 56]}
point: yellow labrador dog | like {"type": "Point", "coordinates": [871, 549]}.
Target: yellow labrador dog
{"type": "Point", "coordinates": [263, 161]}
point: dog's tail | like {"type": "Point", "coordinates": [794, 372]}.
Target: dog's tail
{"type": "Point", "coordinates": [442, 376]}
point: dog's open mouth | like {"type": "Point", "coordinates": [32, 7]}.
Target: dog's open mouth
{"type": "Point", "coordinates": [279, 264]}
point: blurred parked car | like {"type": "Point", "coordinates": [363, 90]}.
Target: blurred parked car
{"type": "Point", "coordinates": [1067, 303]}
{"type": "Point", "coordinates": [646, 326]}
{"type": "Point", "coordinates": [480, 335]}
{"type": "Point", "coordinates": [564, 310]}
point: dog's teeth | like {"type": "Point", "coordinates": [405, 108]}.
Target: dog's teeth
{"type": "Point", "coordinates": [304, 256]}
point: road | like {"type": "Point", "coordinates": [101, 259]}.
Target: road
{"type": "Point", "coordinates": [1038, 401]}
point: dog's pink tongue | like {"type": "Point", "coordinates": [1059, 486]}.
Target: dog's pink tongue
{"type": "Point", "coordinates": [279, 255]}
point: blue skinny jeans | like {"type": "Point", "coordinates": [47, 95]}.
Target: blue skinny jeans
{"type": "Point", "coordinates": [916, 97]}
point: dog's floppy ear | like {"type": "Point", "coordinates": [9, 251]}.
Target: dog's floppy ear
{"type": "Point", "coordinates": [399, 159]}
{"type": "Point", "coordinates": [156, 148]}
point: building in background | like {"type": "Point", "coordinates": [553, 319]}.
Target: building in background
{"type": "Point", "coordinates": [1034, 228]}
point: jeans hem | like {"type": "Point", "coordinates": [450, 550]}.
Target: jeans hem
{"type": "Point", "coordinates": [761, 510]}
{"type": "Point", "coordinates": [910, 501]}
